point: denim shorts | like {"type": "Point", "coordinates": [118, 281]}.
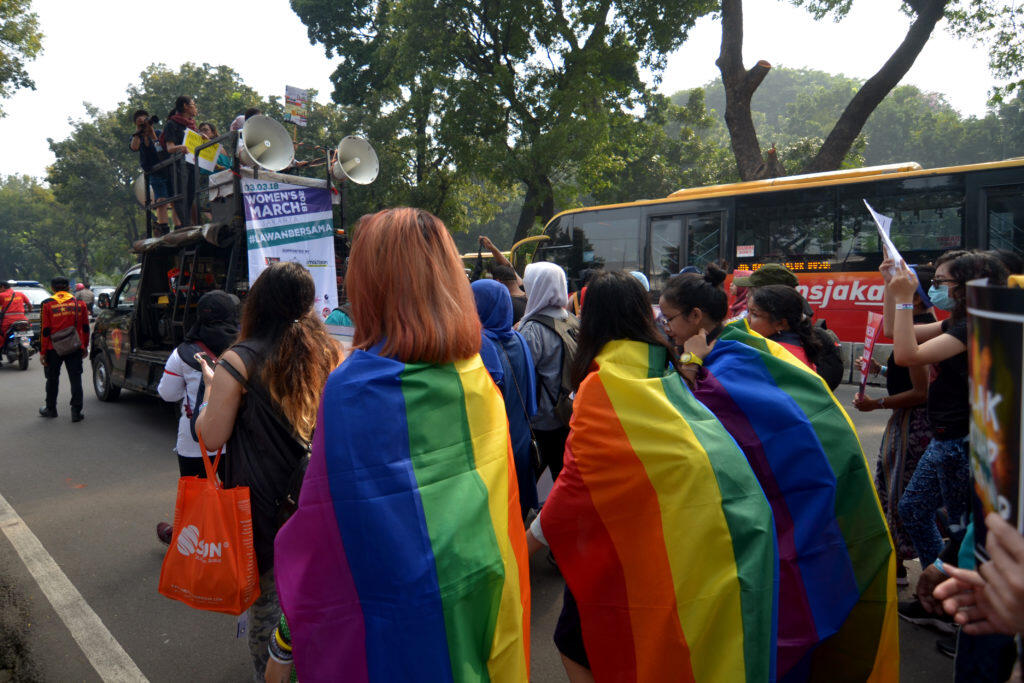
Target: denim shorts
{"type": "Point", "coordinates": [159, 186]}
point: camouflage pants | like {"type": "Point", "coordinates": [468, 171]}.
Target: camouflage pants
{"type": "Point", "coordinates": [264, 616]}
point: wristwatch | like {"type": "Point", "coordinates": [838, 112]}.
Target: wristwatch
{"type": "Point", "coordinates": [690, 358]}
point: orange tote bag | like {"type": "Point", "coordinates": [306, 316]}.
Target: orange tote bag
{"type": "Point", "coordinates": [211, 563]}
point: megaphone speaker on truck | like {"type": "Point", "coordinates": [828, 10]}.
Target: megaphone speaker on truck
{"type": "Point", "coordinates": [140, 190]}
{"type": "Point", "coordinates": [265, 143]}
{"type": "Point", "coordinates": [356, 161]}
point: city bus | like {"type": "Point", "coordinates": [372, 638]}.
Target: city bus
{"type": "Point", "coordinates": [816, 225]}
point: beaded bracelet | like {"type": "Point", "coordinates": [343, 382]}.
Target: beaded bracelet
{"type": "Point", "coordinates": [278, 651]}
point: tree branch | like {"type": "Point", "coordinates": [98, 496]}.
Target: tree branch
{"type": "Point", "coordinates": [876, 88]}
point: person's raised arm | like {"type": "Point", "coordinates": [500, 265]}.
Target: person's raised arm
{"type": "Point", "coordinates": [216, 420]}
{"type": "Point", "coordinates": [906, 349]}
{"type": "Point", "coordinates": [887, 268]}
{"type": "Point", "coordinates": [499, 258]}
{"type": "Point", "coordinates": [136, 141]}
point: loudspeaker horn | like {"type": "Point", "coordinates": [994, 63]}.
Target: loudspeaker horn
{"type": "Point", "coordinates": [265, 143]}
{"type": "Point", "coordinates": [356, 161]}
{"type": "Point", "coordinates": [140, 190]}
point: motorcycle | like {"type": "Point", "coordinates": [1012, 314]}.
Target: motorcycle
{"type": "Point", "coordinates": [18, 344]}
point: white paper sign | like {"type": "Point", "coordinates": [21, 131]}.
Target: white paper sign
{"type": "Point", "coordinates": [884, 223]}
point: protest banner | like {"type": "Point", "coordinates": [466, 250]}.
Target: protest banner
{"type": "Point", "coordinates": [870, 337]}
{"type": "Point", "coordinates": [995, 343]}
{"type": "Point", "coordinates": [207, 158]}
{"type": "Point", "coordinates": [285, 222]}
{"type": "Point", "coordinates": [296, 105]}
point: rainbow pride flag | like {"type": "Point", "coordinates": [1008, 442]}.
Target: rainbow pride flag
{"type": "Point", "coordinates": [661, 530]}
{"type": "Point", "coordinates": [837, 592]}
{"type": "Point", "coordinates": [406, 560]}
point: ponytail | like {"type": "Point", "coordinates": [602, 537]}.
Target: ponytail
{"type": "Point", "coordinates": [781, 302]}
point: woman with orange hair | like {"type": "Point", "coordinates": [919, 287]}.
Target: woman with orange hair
{"type": "Point", "coordinates": [406, 559]}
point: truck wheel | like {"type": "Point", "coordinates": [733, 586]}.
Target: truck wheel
{"type": "Point", "coordinates": [22, 358]}
{"type": "Point", "coordinates": [101, 382]}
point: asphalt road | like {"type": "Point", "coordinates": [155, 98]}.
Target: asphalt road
{"type": "Point", "coordinates": [93, 492]}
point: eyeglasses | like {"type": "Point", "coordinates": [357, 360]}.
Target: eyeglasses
{"type": "Point", "coordinates": [944, 280]}
{"type": "Point", "coordinates": [666, 321]}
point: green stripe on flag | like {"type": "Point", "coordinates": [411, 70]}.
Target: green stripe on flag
{"type": "Point", "coordinates": [751, 527]}
{"type": "Point", "coordinates": [470, 571]}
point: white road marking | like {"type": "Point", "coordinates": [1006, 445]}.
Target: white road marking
{"type": "Point", "coordinates": [105, 654]}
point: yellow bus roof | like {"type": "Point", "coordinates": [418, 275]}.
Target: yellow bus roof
{"type": "Point", "coordinates": [903, 170]}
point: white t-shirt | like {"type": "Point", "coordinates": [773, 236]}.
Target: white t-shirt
{"type": "Point", "coordinates": [180, 382]}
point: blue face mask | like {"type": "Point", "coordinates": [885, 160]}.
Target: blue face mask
{"type": "Point", "coordinates": [940, 297]}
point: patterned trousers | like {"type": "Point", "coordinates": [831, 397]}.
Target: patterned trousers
{"type": "Point", "coordinates": [264, 615]}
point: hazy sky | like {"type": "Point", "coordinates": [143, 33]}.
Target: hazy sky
{"type": "Point", "coordinates": [95, 50]}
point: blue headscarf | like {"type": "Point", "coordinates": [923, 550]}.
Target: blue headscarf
{"type": "Point", "coordinates": [494, 306]}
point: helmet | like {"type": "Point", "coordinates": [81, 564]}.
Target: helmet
{"type": "Point", "coordinates": [79, 287]}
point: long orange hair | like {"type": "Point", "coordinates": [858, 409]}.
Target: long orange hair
{"type": "Point", "coordinates": [409, 290]}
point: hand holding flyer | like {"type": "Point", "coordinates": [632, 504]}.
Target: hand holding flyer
{"type": "Point", "coordinates": [207, 158]}
{"type": "Point", "coordinates": [884, 223]}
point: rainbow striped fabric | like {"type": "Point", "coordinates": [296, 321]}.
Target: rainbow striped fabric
{"type": "Point", "coordinates": [837, 594]}
{"type": "Point", "coordinates": [406, 560]}
{"type": "Point", "coordinates": [661, 530]}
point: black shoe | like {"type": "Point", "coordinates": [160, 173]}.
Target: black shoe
{"type": "Point", "coordinates": [947, 646]}
{"type": "Point", "coordinates": [47, 412]}
{"type": "Point", "coordinates": [164, 532]}
{"type": "Point", "coordinates": [914, 612]}
{"type": "Point", "coordinates": [77, 416]}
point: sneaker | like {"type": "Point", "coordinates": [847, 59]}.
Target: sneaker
{"type": "Point", "coordinates": [901, 576]}
{"type": "Point", "coordinates": [47, 412]}
{"type": "Point", "coordinates": [914, 612]}
{"type": "Point", "coordinates": [164, 531]}
{"type": "Point", "coordinates": [947, 646]}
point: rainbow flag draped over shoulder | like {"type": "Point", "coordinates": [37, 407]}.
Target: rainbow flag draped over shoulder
{"type": "Point", "coordinates": [406, 560]}
{"type": "Point", "coordinates": [661, 530]}
{"type": "Point", "coordinates": [837, 594]}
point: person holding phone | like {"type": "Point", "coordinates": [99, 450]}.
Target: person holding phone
{"type": "Point", "coordinates": [215, 330]}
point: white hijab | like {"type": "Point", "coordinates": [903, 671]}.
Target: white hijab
{"type": "Point", "coordinates": [547, 292]}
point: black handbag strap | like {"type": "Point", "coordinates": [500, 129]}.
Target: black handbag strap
{"type": "Point", "coordinates": [271, 407]}
{"type": "Point", "coordinates": [9, 304]}
{"type": "Point", "coordinates": [519, 392]}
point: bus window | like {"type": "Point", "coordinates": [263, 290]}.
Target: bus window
{"type": "Point", "coordinates": [703, 236]}
{"type": "Point", "coordinates": [796, 229]}
{"type": "Point", "coordinates": [1006, 218]}
{"type": "Point", "coordinates": [611, 239]}
{"type": "Point", "coordinates": [666, 236]}
{"type": "Point", "coordinates": [924, 225]}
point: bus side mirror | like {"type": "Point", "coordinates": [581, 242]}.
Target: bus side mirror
{"type": "Point", "coordinates": [104, 300]}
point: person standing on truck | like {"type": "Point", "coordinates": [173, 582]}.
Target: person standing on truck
{"type": "Point", "coordinates": [13, 307]}
{"type": "Point", "coordinates": [146, 140]}
{"type": "Point", "coordinates": [60, 313]}
{"type": "Point", "coordinates": [182, 118]}
{"type": "Point", "coordinates": [215, 330]}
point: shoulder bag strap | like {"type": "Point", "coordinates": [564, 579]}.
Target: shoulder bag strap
{"type": "Point", "coordinates": [9, 304]}
{"type": "Point", "coordinates": [274, 411]}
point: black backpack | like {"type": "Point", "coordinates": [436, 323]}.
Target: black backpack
{"type": "Point", "coordinates": [568, 330]}
{"type": "Point", "coordinates": [829, 363]}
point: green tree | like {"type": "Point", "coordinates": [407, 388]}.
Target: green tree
{"type": "Point", "coordinates": [20, 41]}
{"type": "Point", "coordinates": [34, 243]}
{"type": "Point", "coordinates": [526, 93]}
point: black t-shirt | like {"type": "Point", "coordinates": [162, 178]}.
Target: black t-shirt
{"type": "Point", "coordinates": [897, 377]}
{"type": "Point", "coordinates": [151, 152]}
{"type": "Point", "coordinates": [949, 407]}
{"type": "Point", "coordinates": [518, 308]}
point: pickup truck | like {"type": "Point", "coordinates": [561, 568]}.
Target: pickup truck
{"type": "Point", "coordinates": [154, 305]}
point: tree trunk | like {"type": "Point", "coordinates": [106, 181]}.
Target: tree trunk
{"type": "Point", "coordinates": [871, 94]}
{"type": "Point", "coordinates": [527, 214]}
{"type": "Point", "coordinates": [539, 202]}
{"type": "Point", "coordinates": [740, 85]}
